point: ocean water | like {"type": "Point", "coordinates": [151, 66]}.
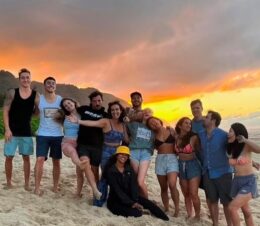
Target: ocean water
{"type": "Point", "coordinates": [254, 134]}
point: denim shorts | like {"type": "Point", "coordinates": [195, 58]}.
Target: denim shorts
{"type": "Point", "coordinates": [46, 143]}
{"type": "Point", "coordinates": [107, 152]}
{"type": "Point", "coordinates": [218, 188]}
{"type": "Point", "coordinates": [189, 169]}
{"type": "Point", "coordinates": [166, 163]}
{"type": "Point", "coordinates": [24, 145]}
{"type": "Point", "coordinates": [244, 185]}
{"type": "Point", "coordinates": [140, 155]}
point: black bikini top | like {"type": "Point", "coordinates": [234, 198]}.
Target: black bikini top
{"type": "Point", "coordinates": [170, 140]}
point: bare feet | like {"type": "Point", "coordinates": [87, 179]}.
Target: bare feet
{"type": "Point", "coordinates": [27, 188]}
{"type": "Point", "coordinates": [97, 194]}
{"type": "Point", "coordinates": [83, 164]}
{"type": "Point", "coordinates": [8, 186]}
{"type": "Point", "coordinates": [176, 213]}
{"type": "Point", "coordinates": [196, 218]}
{"type": "Point", "coordinates": [38, 192]}
{"type": "Point", "coordinates": [78, 195]}
{"type": "Point", "coordinates": [55, 189]}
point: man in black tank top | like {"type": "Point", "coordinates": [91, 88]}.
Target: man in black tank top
{"type": "Point", "coordinates": [19, 106]}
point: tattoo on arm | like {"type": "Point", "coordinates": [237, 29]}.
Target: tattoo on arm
{"type": "Point", "coordinates": [9, 98]}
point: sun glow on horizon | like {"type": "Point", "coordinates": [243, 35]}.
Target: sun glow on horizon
{"type": "Point", "coordinates": [229, 104]}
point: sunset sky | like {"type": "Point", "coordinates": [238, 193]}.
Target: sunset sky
{"type": "Point", "coordinates": [172, 51]}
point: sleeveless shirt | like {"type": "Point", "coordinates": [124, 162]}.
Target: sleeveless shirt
{"type": "Point", "coordinates": [48, 126]}
{"type": "Point", "coordinates": [20, 114]}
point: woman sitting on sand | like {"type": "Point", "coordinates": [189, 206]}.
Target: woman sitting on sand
{"type": "Point", "coordinates": [187, 143]}
{"type": "Point", "coordinates": [114, 135]}
{"type": "Point", "coordinates": [123, 198]}
{"type": "Point", "coordinates": [69, 143]}
{"type": "Point", "coordinates": [244, 184]}
{"type": "Point", "coordinates": [166, 165]}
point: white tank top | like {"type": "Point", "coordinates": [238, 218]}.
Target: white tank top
{"type": "Point", "coordinates": [48, 127]}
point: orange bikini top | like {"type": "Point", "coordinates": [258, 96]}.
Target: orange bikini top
{"type": "Point", "coordinates": [242, 160]}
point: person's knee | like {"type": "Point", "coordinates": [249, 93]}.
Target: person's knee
{"type": "Point", "coordinates": [26, 158]}
{"type": "Point", "coordinates": [232, 208]}
{"type": "Point", "coordinates": [172, 186]}
{"type": "Point", "coordinates": [140, 182]}
{"type": "Point", "coordinates": [40, 161]}
{"type": "Point", "coordinates": [9, 159]}
{"type": "Point", "coordinates": [56, 162]}
{"type": "Point", "coordinates": [194, 195]}
{"type": "Point", "coordinates": [164, 191]}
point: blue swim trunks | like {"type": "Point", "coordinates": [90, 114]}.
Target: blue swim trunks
{"type": "Point", "coordinates": [24, 145]}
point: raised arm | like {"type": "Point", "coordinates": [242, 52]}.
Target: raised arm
{"type": "Point", "coordinates": [251, 146]}
{"type": "Point", "coordinates": [101, 123]}
{"type": "Point", "coordinates": [6, 108]}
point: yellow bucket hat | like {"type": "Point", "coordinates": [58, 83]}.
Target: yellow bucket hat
{"type": "Point", "coordinates": [123, 150]}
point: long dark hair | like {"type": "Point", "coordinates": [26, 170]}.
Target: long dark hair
{"type": "Point", "coordinates": [235, 148]}
{"type": "Point", "coordinates": [112, 161]}
{"type": "Point", "coordinates": [61, 113]}
{"type": "Point", "coordinates": [62, 106]}
{"type": "Point", "coordinates": [123, 112]}
{"type": "Point", "coordinates": [185, 139]}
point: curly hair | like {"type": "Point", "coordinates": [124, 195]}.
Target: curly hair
{"type": "Point", "coordinates": [123, 112]}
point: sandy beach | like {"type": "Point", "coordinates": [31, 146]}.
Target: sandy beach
{"type": "Point", "coordinates": [20, 208]}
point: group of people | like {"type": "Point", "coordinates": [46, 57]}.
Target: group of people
{"type": "Point", "coordinates": [121, 142]}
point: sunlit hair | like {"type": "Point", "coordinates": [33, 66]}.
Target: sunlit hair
{"type": "Point", "coordinates": [148, 110]}
{"type": "Point", "coordinates": [123, 112]}
{"type": "Point", "coordinates": [48, 78]}
{"type": "Point", "coordinates": [215, 116]}
{"type": "Point", "coordinates": [235, 148]}
{"type": "Point", "coordinates": [197, 101]}
{"type": "Point", "coordinates": [23, 70]}
{"type": "Point", "coordinates": [149, 119]}
{"type": "Point", "coordinates": [186, 138]}
{"type": "Point", "coordinates": [95, 94]}
{"type": "Point", "coordinates": [62, 104]}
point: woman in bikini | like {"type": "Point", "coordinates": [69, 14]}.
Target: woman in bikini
{"type": "Point", "coordinates": [244, 184]}
{"type": "Point", "coordinates": [186, 145]}
{"type": "Point", "coordinates": [114, 134]}
{"type": "Point", "coordinates": [166, 165]}
{"type": "Point", "coordinates": [69, 144]}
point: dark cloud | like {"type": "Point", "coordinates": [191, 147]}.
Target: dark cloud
{"type": "Point", "coordinates": [160, 47]}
